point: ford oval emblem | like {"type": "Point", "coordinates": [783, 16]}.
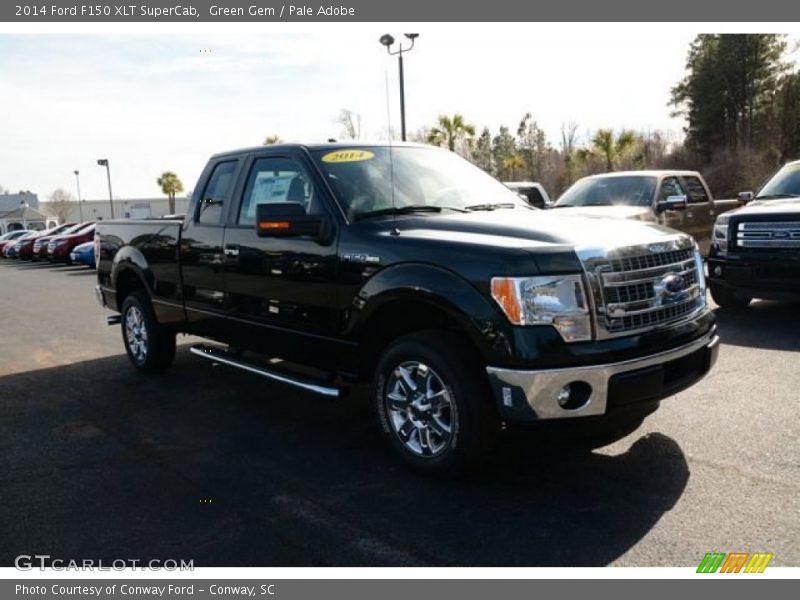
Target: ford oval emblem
{"type": "Point", "coordinates": [672, 284]}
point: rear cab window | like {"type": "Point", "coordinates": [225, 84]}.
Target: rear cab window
{"type": "Point", "coordinates": [210, 207]}
{"type": "Point", "coordinates": [696, 189]}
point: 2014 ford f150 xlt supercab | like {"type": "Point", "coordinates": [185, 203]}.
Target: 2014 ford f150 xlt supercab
{"type": "Point", "coordinates": [408, 268]}
{"type": "Point", "coordinates": [755, 252]}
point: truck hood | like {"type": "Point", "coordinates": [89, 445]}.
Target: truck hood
{"type": "Point", "coordinates": [521, 228]}
{"type": "Point", "coordinates": [769, 207]}
{"type": "Point", "coordinates": [641, 213]}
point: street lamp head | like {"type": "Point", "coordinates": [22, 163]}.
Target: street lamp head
{"type": "Point", "coordinates": [76, 172]}
{"type": "Point", "coordinates": [103, 162]}
{"type": "Point", "coordinates": [387, 40]}
{"type": "Point", "coordinates": [411, 36]}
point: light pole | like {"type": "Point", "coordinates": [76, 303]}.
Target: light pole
{"type": "Point", "coordinates": [103, 162]}
{"type": "Point", "coordinates": [78, 183]}
{"type": "Point", "coordinates": [387, 40]}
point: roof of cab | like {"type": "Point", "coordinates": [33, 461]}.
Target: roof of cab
{"type": "Point", "coordinates": [314, 146]}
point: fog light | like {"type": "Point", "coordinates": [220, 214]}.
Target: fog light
{"type": "Point", "coordinates": [574, 395]}
{"type": "Point", "coordinates": [718, 271]}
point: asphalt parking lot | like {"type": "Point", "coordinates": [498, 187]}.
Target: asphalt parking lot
{"type": "Point", "coordinates": [218, 466]}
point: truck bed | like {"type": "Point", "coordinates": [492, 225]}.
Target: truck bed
{"type": "Point", "coordinates": [144, 248]}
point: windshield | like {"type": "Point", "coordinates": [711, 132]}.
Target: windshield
{"type": "Point", "coordinates": [429, 178]}
{"type": "Point", "coordinates": [12, 235]}
{"type": "Point", "coordinates": [785, 182]}
{"type": "Point", "coordinates": [633, 190]}
{"type": "Point", "coordinates": [83, 228]}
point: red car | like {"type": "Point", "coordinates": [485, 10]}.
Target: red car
{"type": "Point", "coordinates": [24, 245]}
{"type": "Point", "coordinates": [11, 238]}
{"type": "Point", "coordinates": [40, 244]}
{"type": "Point", "coordinates": [59, 247]}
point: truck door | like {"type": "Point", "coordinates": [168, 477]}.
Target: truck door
{"type": "Point", "coordinates": [670, 186]}
{"type": "Point", "coordinates": [281, 291]}
{"type": "Point", "coordinates": [701, 210]}
{"type": "Point", "coordinates": [201, 253]}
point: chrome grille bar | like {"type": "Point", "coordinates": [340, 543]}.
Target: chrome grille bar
{"type": "Point", "coordinates": [768, 234]}
{"type": "Point", "coordinates": [639, 288]}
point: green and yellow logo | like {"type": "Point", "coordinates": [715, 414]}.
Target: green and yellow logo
{"type": "Point", "coordinates": [734, 562]}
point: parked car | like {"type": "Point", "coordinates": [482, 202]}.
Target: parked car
{"type": "Point", "coordinates": [40, 245]}
{"type": "Point", "coordinates": [756, 249]}
{"type": "Point", "coordinates": [533, 193]}
{"type": "Point", "coordinates": [11, 238]}
{"type": "Point", "coordinates": [60, 247]}
{"type": "Point", "coordinates": [680, 200]}
{"type": "Point", "coordinates": [11, 249]}
{"type": "Point", "coordinates": [466, 309]}
{"type": "Point", "coordinates": [83, 254]}
{"type": "Point", "coordinates": [24, 247]}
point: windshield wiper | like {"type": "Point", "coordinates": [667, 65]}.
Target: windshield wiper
{"type": "Point", "coordinates": [491, 206]}
{"type": "Point", "coordinates": [774, 196]}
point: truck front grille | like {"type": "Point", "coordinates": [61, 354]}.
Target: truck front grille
{"type": "Point", "coordinates": [763, 234]}
{"type": "Point", "coordinates": [644, 287]}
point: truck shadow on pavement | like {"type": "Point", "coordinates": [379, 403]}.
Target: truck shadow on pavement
{"type": "Point", "coordinates": [763, 324]}
{"type": "Point", "coordinates": [211, 465]}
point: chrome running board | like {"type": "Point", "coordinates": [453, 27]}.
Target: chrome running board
{"type": "Point", "coordinates": [220, 356]}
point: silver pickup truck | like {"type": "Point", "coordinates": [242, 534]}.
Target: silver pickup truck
{"type": "Point", "coordinates": [681, 200]}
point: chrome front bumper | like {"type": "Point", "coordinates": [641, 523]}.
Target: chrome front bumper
{"type": "Point", "coordinates": [520, 392]}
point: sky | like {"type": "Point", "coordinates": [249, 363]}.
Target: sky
{"type": "Point", "coordinates": [168, 100]}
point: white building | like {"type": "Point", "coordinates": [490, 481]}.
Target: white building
{"type": "Point", "coordinates": [25, 217]}
{"type": "Point", "coordinates": [133, 208]}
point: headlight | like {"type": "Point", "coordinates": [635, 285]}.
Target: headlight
{"type": "Point", "coordinates": [557, 300]}
{"type": "Point", "coordinates": [720, 237]}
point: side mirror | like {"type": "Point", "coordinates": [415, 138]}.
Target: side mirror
{"type": "Point", "coordinates": [289, 219]}
{"type": "Point", "coordinates": [672, 203]}
{"type": "Point", "coordinates": [745, 197]}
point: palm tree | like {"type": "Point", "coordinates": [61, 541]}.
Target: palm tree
{"type": "Point", "coordinates": [605, 143]}
{"type": "Point", "coordinates": [512, 163]}
{"type": "Point", "coordinates": [272, 139]}
{"type": "Point", "coordinates": [170, 185]}
{"type": "Point", "coordinates": [450, 130]}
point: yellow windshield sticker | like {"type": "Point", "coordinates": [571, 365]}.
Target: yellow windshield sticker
{"type": "Point", "coordinates": [341, 156]}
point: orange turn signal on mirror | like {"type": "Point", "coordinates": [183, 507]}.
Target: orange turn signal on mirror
{"type": "Point", "coordinates": [504, 292]}
{"type": "Point", "coordinates": [273, 225]}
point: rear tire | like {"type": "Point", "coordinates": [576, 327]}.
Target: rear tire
{"type": "Point", "coordinates": [727, 298]}
{"type": "Point", "coordinates": [434, 404]}
{"type": "Point", "coordinates": [150, 345]}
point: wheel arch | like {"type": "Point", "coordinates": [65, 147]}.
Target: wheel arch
{"type": "Point", "coordinates": [412, 298]}
{"type": "Point", "coordinates": [130, 271]}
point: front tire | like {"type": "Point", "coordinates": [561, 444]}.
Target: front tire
{"type": "Point", "coordinates": [434, 404]}
{"type": "Point", "coordinates": [727, 298]}
{"type": "Point", "coordinates": [150, 346]}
